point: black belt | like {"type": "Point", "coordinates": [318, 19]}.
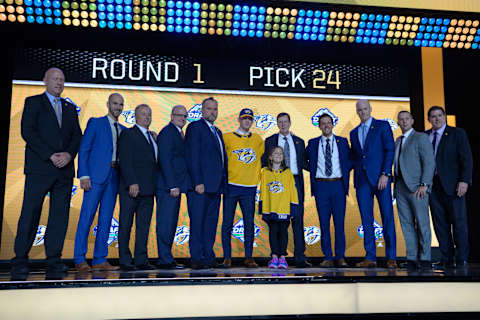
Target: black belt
{"type": "Point", "coordinates": [328, 179]}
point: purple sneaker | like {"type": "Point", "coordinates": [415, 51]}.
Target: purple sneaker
{"type": "Point", "coordinates": [273, 264]}
{"type": "Point", "coordinates": [282, 263]}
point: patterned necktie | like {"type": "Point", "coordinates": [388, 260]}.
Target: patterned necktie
{"type": "Point", "coordinates": [150, 142]}
{"type": "Point", "coordinates": [328, 159]}
{"type": "Point", "coordinates": [115, 124]}
{"type": "Point", "coordinates": [434, 141]}
{"type": "Point", "coordinates": [57, 106]}
{"type": "Point", "coordinates": [286, 149]}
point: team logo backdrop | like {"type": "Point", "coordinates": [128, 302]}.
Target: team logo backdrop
{"type": "Point", "coordinates": [304, 111]}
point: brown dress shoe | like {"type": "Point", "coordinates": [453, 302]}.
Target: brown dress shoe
{"type": "Point", "coordinates": [83, 267]}
{"type": "Point", "coordinates": [250, 263]}
{"type": "Point", "coordinates": [391, 264]}
{"type": "Point", "coordinates": [366, 264]}
{"type": "Point", "coordinates": [105, 267]}
{"type": "Point", "coordinates": [326, 264]}
{"type": "Point", "coordinates": [227, 263]}
{"type": "Point", "coordinates": [341, 263]}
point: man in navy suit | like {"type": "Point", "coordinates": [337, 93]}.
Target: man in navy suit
{"type": "Point", "coordinates": [329, 158]}
{"type": "Point", "coordinates": [294, 148]}
{"type": "Point", "coordinates": [453, 174]}
{"type": "Point", "coordinates": [97, 171]}
{"type": "Point", "coordinates": [173, 180]}
{"type": "Point", "coordinates": [373, 151]}
{"type": "Point", "coordinates": [52, 134]}
{"type": "Point", "coordinates": [138, 154]}
{"type": "Point", "coordinates": [207, 166]}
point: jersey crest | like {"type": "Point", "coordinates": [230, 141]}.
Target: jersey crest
{"type": "Point", "coordinates": [245, 155]}
{"type": "Point", "coordinates": [275, 187]}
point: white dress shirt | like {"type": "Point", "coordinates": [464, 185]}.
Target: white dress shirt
{"type": "Point", "coordinates": [293, 151]}
{"type": "Point", "coordinates": [362, 138]}
{"type": "Point", "coordinates": [336, 170]}
{"type": "Point", "coordinates": [146, 133]}
{"type": "Point", "coordinates": [439, 136]}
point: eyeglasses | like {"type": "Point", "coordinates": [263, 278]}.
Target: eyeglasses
{"type": "Point", "coordinates": [180, 115]}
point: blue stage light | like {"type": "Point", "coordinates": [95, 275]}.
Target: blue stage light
{"type": "Point", "coordinates": [110, 16]}
{"type": "Point", "coordinates": [260, 26]}
{"type": "Point", "coordinates": [298, 36]}
{"type": "Point", "coordinates": [170, 12]}
{"type": "Point", "coordinates": [243, 33]}
{"type": "Point", "coordinates": [187, 13]}
{"type": "Point", "coordinates": [196, 5]}
{"type": "Point", "coordinates": [128, 17]}
{"type": "Point", "coordinates": [301, 13]}
{"type": "Point", "coordinates": [253, 9]}
{"type": "Point", "coordinates": [434, 36]}
{"type": "Point", "coordinates": [118, 1]}
{"type": "Point", "coordinates": [37, 3]}
{"type": "Point", "coordinates": [251, 33]}
{"type": "Point", "coordinates": [362, 24]}
{"type": "Point", "coordinates": [315, 29]}
{"type": "Point", "coordinates": [313, 37]}
{"type": "Point", "coordinates": [317, 13]}
{"type": "Point", "coordinates": [316, 22]}
{"type": "Point", "coordinates": [436, 29]}
{"type": "Point", "coordinates": [426, 36]}
{"type": "Point", "coordinates": [325, 14]}
{"type": "Point", "coordinates": [47, 4]}
{"type": "Point", "coordinates": [244, 25]}
{"type": "Point", "coordinates": [307, 29]}
{"type": "Point", "coordinates": [424, 43]}
{"type": "Point", "coordinates": [261, 10]}
{"type": "Point", "coordinates": [438, 44]}
{"type": "Point", "coordinates": [370, 25]}
{"type": "Point", "coordinates": [128, 26]}
{"type": "Point", "coordinates": [305, 36]}
{"type": "Point", "coordinates": [444, 29]}
{"type": "Point", "coordinates": [417, 43]}
{"type": "Point", "coordinates": [299, 28]}
{"type": "Point", "coordinates": [308, 21]}
{"type": "Point", "coordinates": [441, 37]}
{"type": "Point", "coordinates": [384, 25]}
{"type": "Point", "coordinates": [321, 37]}
{"type": "Point", "coordinates": [245, 9]}
{"type": "Point", "coordinates": [187, 21]}
{"type": "Point", "coordinates": [48, 12]}
{"type": "Point", "coordinates": [102, 16]}
{"type": "Point", "coordinates": [377, 25]}
{"type": "Point", "coordinates": [118, 8]}
{"type": "Point", "coordinates": [235, 32]}
{"type": "Point", "coordinates": [102, 24]}
{"type": "Point", "coordinates": [421, 28]}
{"type": "Point", "coordinates": [187, 5]}
{"type": "Point", "coordinates": [259, 34]}
{"type": "Point", "coordinates": [179, 4]}
{"type": "Point", "coordinates": [381, 41]}
{"type": "Point", "coordinates": [371, 17]}
{"type": "Point", "coordinates": [170, 20]}
{"type": "Point", "coordinates": [178, 29]}
{"type": "Point", "coordinates": [119, 16]}
{"type": "Point", "coordinates": [195, 30]}
{"type": "Point", "coordinates": [364, 16]}
{"type": "Point", "coordinates": [38, 11]}
{"type": "Point", "coordinates": [375, 33]}
{"type": "Point", "coordinates": [48, 20]}
{"type": "Point", "coordinates": [237, 16]}
{"type": "Point", "coordinates": [368, 32]}
{"type": "Point", "coordinates": [438, 21]}
{"type": "Point", "coordinates": [251, 25]}
{"type": "Point", "coordinates": [424, 21]}
{"type": "Point", "coordinates": [170, 28]}
{"type": "Point", "coordinates": [300, 20]}
{"type": "Point", "coordinates": [379, 17]}
{"type": "Point", "coordinates": [58, 21]}
{"type": "Point", "coordinates": [358, 39]}
{"type": "Point", "coordinates": [111, 24]}
{"type": "Point", "coordinates": [57, 13]}
{"type": "Point", "coordinates": [429, 29]}
{"type": "Point", "coordinates": [474, 45]}
{"type": "Point", "coordinates": [323, 29]}
{"type": "Point", "coordinates": [386, 18]}
{"type": "Point", "coordinates": [236, 24]}
{"type": "Point", "coordinates": [29, 10]}
{"type": "Point", "coordinates": [309, 13]}
{"type": "Point", "coordinates": [253, 17]}
{"type": "Point", "coordinates": [119, 25]}
{"type": "Point", "coordinates": [360, 32]}
{"type": "Point", "coordinates": [30, 19]}
{"type": "Point", "coordinates": [373, 41]}
{"type": "Point", "coordinates": [179, 13]}
{"type": "Point", "coordinates": [324, 22]}
{"type": "Point", "coordinates": [179, 21]}
{"type": "Point", "coordinates": [110, 8]}
{"type": "Point", "coordinates": [261, 18]}
{"type": "Point", "coordinates": [431, 43]}
{"type": "Point", "coordinates": [28, 2]}
{"type": "Point", "coordinates": [245, 17]}
{"type": "Point", "coordinates": [196, 14]}
{"type": "Point", "coordinates": [237, 8]}
{"type": "Point", "coordinates": [431, 21]}
{"type": "Point", "coordinates": [127, 9]}
{"type": "Point", "coordinates": [110, 1]}
{"type": "Point", "coordinates": [127, 2]}
{"type": "Point", "coordinates": [446, 22]}
{"type": "Point", "coordinates": [187, 29]}
{"type": "Point", "coordinates": [383, 33]}
{"type": "Point", "coordinates": [170, 4]}
{"type": "Point", "coordinates": [420, 35]}
{"type": "Point", "coordinates": [477, 39]}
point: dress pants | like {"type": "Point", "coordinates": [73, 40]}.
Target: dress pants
{"type": "Point", "coordinates": [415, 222]}
{"type": "Point", "coordinates": [142, 208]}
{"type": "Point", "coordinates": [365, 194]}
{"type": "Point", "coordinates": [297, 224]}
{"type": "Point", "coordinates": [168, 208]}
{"type": "Point", "coordinates": [106, 195]}
{"type": "Point", "coordinates": [203, 210]}
{"type": "Point", "coordinates": [246, 198]}
{"type": "Point", "coordinates": [449, 213]}
{"type": "Point", "coordinates": [331, 201]}
{"type": "Point", "coordinates": [36, 188]}
{"type": "Point", "coordinates": [278, 236]}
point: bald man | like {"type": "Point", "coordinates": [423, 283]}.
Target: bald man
{"type": "Point", "coordinates": [98, 174]}
{"type": "Point", "coordinates": [173, 180]}
{"type": "Point", "coordinates": [52, 134]}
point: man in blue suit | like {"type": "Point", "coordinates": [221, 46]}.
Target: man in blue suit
{"type": "Point", "coordinates": [97, 171]}
{"type": "Point", "coordinates": [173, 180]}
{"type": "Point", "coordinates": [294, 148]}
{"type": "Point", "coordinates": [329, 158]}
{"type": "Point", "coordinates": [207, 166]}
{"type": "Point", "coordinates": [373, 151]}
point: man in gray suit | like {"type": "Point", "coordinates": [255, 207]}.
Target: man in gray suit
{"type": "Point", "coordinates": [414, 166]}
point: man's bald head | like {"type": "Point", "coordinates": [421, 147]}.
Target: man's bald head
{"type": "Point", "coordinates": [179, 115]}
{"type": "Point", "coordinates": [54, 80]}
{"type": "Point", "coordinates": [364, 110]}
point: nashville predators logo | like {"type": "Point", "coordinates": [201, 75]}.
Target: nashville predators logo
{"type": "Point", "coordinates": [275, 187]}
{"type": "Point", "coordinates": [245, 155]}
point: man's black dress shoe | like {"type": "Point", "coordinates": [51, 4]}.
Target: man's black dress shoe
{"type": "Point", "coordinates": [170, 266]}
{"type": "Point", "coordinates": [425, 265]}
{"type": "Point", "coordinates": [145, 267]}
{"type": "Point", "coordinates": [213, 265]}
{"type": "Point", "coordinates": [303, 264]}
{"type": "Point", "coordinates": [127, 267]}
{"type": "Point", "coordinates": [409, 265]}
{"type": "Point", "coordinates": [196, 266]}
{"type": "Point", "coordinates": [442, 265]}
{"type": "Point", "coordinates": [57, 268]}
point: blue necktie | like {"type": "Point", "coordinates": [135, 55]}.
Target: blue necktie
{"type": "Point", "coordinates": [434, 141]}
{"type": "Point", "coordinates": [150, 142]}
{"type": "Point", "coordinates": [364, 134]}
{"type": "Point", "coordinates": [328, 159]}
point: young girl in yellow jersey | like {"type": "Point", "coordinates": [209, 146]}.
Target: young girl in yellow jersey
{"type": "Point", "coordinates": [278, 204]}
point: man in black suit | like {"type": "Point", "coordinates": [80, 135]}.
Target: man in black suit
{"type": "Point", "coordinates": [453, 174]}
{"type": "Point", "coordinates": [173, 180]}
{"type": "Point", "coordinates": [138, 154]}
{"type": "Point", "coordinates": [294, 149]}
{"type": "Point", "coordinates": [52, 134]}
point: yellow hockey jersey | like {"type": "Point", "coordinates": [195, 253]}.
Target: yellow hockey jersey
{"type": "Point", "coordinates": [278, 194]}
{"type": "Point", "coordinates": [244, 154]}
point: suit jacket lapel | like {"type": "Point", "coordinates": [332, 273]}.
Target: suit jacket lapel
{"type": "Point", "coordinates": [444, 139]}
{"type": "Point", "coordinates": [144, 139]}
{"type": "Point", "coordinates": [213, 136]}
{"type": "Point", "coordinates": [355, 139]}
{"type": "Point", "coordinates": [371, 132]}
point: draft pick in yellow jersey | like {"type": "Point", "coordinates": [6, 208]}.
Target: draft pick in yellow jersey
{"type": "Point", "coordinates": [278, 195]}
{"type": "Point", "coordinates": [244, 154]}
